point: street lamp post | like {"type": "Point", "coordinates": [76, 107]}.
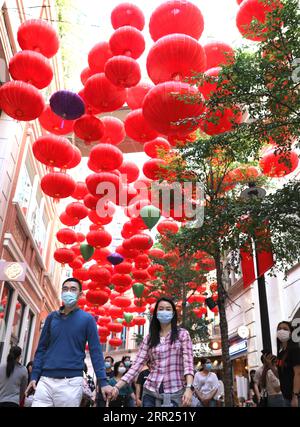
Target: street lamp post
{"type": "Point", "coordinates": [249, 193]}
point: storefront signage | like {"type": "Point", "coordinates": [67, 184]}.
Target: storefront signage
{"type": "Point", "coordinates": [12, 271]}
{"type": "Point", "coordinates": [239, 347]}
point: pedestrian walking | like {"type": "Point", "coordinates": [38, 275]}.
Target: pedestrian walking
{"type": "Point", "coordinates": [288, 364]}
{"type": "Point", "coordinates": [206, 385]}
{"type": "Point", "coordinates": [28, 400]}
{"type": "Point", "coordinates": [126, 392]}
{"type": "Point", "coordinates": [57, 375]}
{"type": "Point", "coordinates": [168, 350]}
{"type": "Point", "coordinates": [13, 379]}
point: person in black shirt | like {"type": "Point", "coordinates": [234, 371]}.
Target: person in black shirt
{"type": "Point", "coordinates": [288, 363]}
{"type": "Point", "coordinates": [109, 369]}
{"type": "Point", "coordinates": [254, 392]}
{"type": "Point", "coordinates": [140, 384]}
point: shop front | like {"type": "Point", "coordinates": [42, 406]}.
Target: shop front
{"type": "Point", "coordinates": [239, 365]}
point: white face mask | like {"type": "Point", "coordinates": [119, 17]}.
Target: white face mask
{"type": "Point", "coordinates": [283, 335]}
{"type": "Point", "coordinates": [122, 370]}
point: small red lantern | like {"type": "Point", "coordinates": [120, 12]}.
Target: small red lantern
{"type": "Point", "coordinates": [156, 147]}
{"type": "Point", "coordinates": [80, 191]}
{"type": "Point", "coordinates": [217, 54]}
{"type": "Point", "coordinates": [277, 165]}
{"type": "Point", "coordinates": [138, 128]}
{"type": "Point", "coordinates": [98, 56]}
{"type": "Point", "coordinates": [115, 327]}
{"type": "Point", "coordinates": [100, 275]}
{"type": "Point", "coordinates": [64, 255]}
{"type": "Point", "coordinates": [140, 321]}
{"type": "Point", "coordinates": [127, 41]}
{"type": "Point", "coordinates": [122, 302]}
{"type": "Point", "coordinates": [58, 185]}
{"type": "Point", "coordinates": [76, 158]}
{"type": "Point", "coordinates": [123, 268]}
{"type": "Point", "coordinates": [106, 157]}
{"type": "Point", "coordinates": [99, 239]}
{"type": "Point", "coordinates": [55, 124]}
{"type": "Point", "coordinates": [38, 35]}
{"type": "Point", "coordinates": [102, 94]}
{"type": "Point", "coordinates": [123, 71]}
{"type": "Point", "coordinates": [67, 220]}
{"type": "Point", "coordinates": [141, 241]}
{"type": "Point", "coordinates": [121, 280]}
{"type": "Point", "coordinates": [136, 95]}
{"type": "Point", "coordinates": [127, 14]}
{"type": "Point", "coordinates": [167, 227]}
{"type": "Point", "coordinates": [21, 101]}
{"type": "Point", "coordinates": [88, 128]}
{"type": "Point", "coordinates": [154, 168]}
{"type": "Point", "coordinates": [77, 210]}
{"type": "Point", "coordinates": [220, 121]}
{"type": "Point", "coordinates": [115, 342]}
{"type": "Point", "coordinates": [85, 74]}
{"type": "Point", "coordinates": [114, 131]}
{"type": "Point", "coordinates": [97, 297]}
{"type": "Point", "coordinates": [66, 236]}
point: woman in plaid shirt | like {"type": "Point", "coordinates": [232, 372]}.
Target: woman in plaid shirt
{"type": "Point", "coordinates": [169, 353]}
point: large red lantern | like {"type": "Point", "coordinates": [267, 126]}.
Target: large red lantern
{"type": "Point", "coordinates": [102, 94]}
{"type": "Point", "coordinates": [252, 14]}
{"type": "Point", "coordinates": [77, 210]}
{"type": "Point", "coordinates": [38, 35]}
{"type": "Point", "coordinates": [31, 67]}
{"type": "Point", "coordinates": [58, 185]}
{"type": "Point", "coordinates": [80, 191]}
{"type": "Point", "coordinates": [99, 239]}
{"type": "Point", "coordinates": [55, 124]}
{"type": "Point", "coordinates": [53, 151]}
{"type": "Point", "coordinates": [66, 236]}
{"type": "Point", "coordinates": [114, 131]}
{"type": "Point", "coordinates": [156, 147]}
{"type": "Point", "coordinates": [217, 54]}
{"type": "Point", "coordinates": [155, 168]}
{"type": "Point", "coordinates": [175, 57]}
{"type": "Point", "coordinates": [106, 157]}
{"type": "Point", "coordinates": [222, 120]}
{"type": "Point", "coordinates": [21, 101]}
{"type": "Point", "coordinates": [136, 95]}
{"type": "Point", "coordinates": [127, 41]}
{"type": "Point", "coordinates": [67, 220]}
{"type": "Point", "coordinates": [64, 255]}
{"type": "Point", "coordinates": [130, 170]}
{"type": "Point", "coordinates": [123, 71]}
{"type": "Point", "coordinates": [93, 180]}
{"type": "Point", "coordinates": [127, 14]}
{"type": "Point", "coordinates": [163, 110]}
{"type": "Point", "coordinates": [176, 16]}
{"type": "Point", "coordinates": [88, 128]}
{"type": "Point", "coordinates": [277, 165]}
{"type": "Point", "coordinates": [138, 128]}
{"type": "Point", "coordinates": [98, 56]}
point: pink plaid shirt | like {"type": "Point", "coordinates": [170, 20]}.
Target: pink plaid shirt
{"type": "Point", "coordinates": [168, 363]}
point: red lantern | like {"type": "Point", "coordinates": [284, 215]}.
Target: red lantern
{"type": "Point", "coordinates": [123, 268]}
{"type": "Point", "coordinates": [81, 274]}
{"type": "Point", "coordinates": [114, 131]}
{"type": "Point", "coordinates": [88, 128]}
{"type": "Point", "coordinates": [80, 237]}
{"type": "Point", "coordinates": [140, 321]}
{"type": "Point", "coordinates": [277, 165]}
{"type": "Point", "coordinates": [106, 157]}
{"type": "Point", "coordinates": [167, 227]}
{"type": "Point", "coordinates": [127, 14]}
{"type": "Point", "coordinates": [136, 95]}
{"type": "Point", "coordinates": [220, 121]}
{"type": "Point", "coordinates": [77, 210]}
{"type": "Point", "coordinates": [127, 41]}
{"type": "Point", "coordinates": [104, 320]}
{"type": "Point", "coordinates": [217, 54]}
{"type": "Point", "coordinates": [85, 74]}
{"type": "Point", "coordinates": [130, 171]}
{"type": "Point", "coordinates": [58, 185]}
{"type": "Point", "coordinates": [99, 221]}
{"type": "Point", "coordinates": [90, 201]}
{"type": "Point", "coordinates": [157, 147]}
{"type": "Point", "coordinates": [93, 180]}
{"type": "Point", "coordinates": [252, 16]}
{"type": "Point", "coordinates": [175, 57]}
{"type": "Point", "coordinates": [100, 275]}
{"type": "Point", "coordinates": [115, 312]}
{"type": "Point", "coordinates": [115, 327]}
{"type": "Point", "coordinates": [99, 239]}
{"type": "Point", "coordinates": [122, 302]}
{"type": "Point", "coordinates": [67, 220]}
{"type": "Point", "coordinates": [141, 241]}
{"type": "Point", "coordinates": [121, 280]}
{"type": "Point", "coordinates": [31, 67]}
{"type": "Point", "coordinates": [76, 158]}
{"type": "Point", "coordinates": [53, 151]}
{"type": "Point", "coordinates": [208, 88]}
{"type": "Point", "coordinates": [55, 124]}
{"type": "Point", "coordinates": [102, 94]}
{"type": "Point", "coordinates": [80, 191]}
{"type": "Point", "coordinates": [89, 109]}
{"type": "Point", "coordinates": [64, 255]}
{"type": "Point", "coordinates": [115, 342]}
{"type": "Point", "coordinates": [138, 128]}
{"type": "Point", "coordinates": [38, 35]}
{"type": "Point", "coordinates": [140, 275]}
{"type": "Point", "coordinates": [176, 16]}
{"type": "Point", "coordinates": [123, 71]}
{"type": "Point", "coordinates": [100, 255]}
{"type": "Point", "coordinates": [162, 108]}
{"type": "Point", "coordinates": [103, 331]}
{"type": "Point", "coordinates": [156, 253]}
{"type": "Point", "coordinates": [66, 236]}
{"type": "Point", "coordinates": [154, 168]}
{"type": "Point", "coordinates": [98, 56]}
{"type": "Point", "coordinates": [77, 263]}
{"type": "Point", "coordinates": [97, 297]}
{"type": "Point", "coordinates": [21, 101]}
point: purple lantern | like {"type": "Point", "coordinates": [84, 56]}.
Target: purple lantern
{"type": "Point", "coordinates": [67, 105]}
{"type": "Point", "coordinates": [115, 258]}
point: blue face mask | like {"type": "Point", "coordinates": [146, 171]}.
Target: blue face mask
{"type": "Point", "coordinates": [69, 298]}
{"type": "Point", "coordinates": [127, 363]}
{"type": "Point", "coordinates": [107, 365]}
{"type": "Point", "coordinates": [208, 366]}
{"type": "Point", "coordinates": [164, 316]}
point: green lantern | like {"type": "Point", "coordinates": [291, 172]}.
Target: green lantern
{"type": "Point", "coordinates": [128, 317]}
{"type": "Point", "coordinates": [150, 215]}
{"type": "Point", "coordinates": [86, 251]}
{"type": "Point", "coordinates": [138, 289]}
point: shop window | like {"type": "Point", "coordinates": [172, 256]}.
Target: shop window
{"type": "Point", "coordinates": [17, 322]}
{"type": "Point", "coordinates": [25, 186]}
{"type": "Point", "coordinates": [5, 305]}
{"type": "Point", "coordinates": [28, 333]}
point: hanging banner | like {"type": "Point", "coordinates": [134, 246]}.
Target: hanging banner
{"type": "Point", "coordinates": [247, 264]}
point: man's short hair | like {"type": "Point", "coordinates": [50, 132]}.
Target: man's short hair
{"type": "Point", "coordinates": [111, 358]}
{"type": "Point", "coordinates": [73, 279]}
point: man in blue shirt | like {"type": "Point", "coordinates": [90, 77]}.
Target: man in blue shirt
{"type": "Point", "coordinates": [57, 375]}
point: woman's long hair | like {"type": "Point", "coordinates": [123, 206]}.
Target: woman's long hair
{"type": "Point", "coordinates": [14, 353]}
{"type": "Point", "coordinates": [290, 343]}
{"type": "Point", "coordinates": [155, 327]}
